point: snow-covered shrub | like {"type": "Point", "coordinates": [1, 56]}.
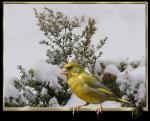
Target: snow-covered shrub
{"type": "Point", "coordinates": [64, 42]}
{"type": "Point", "coordinates": [59, 32]}
{"type": "Point", "coordinates": [124, 79]}
{"type": "Point", "coordinates": [138, 62]}
{"type": "Point", "coordinates": [37, 89]}
{"type": "Point", "coordinates": [87, 54]}
{"type": "Point", "coordinates": [109, 73]}
{"type": "Point", "coordinates": [109, 77]}
{"type": "Point", "coordinates": [123, 64]}
{"type": "Point", "coordinates": [53, 102]}
{"type": "Point", "coordinates": [111, 69]}
{"type": "Point", "coordinates": [39, 85]}
{"type": "Point", "coordinates": [132, 84]}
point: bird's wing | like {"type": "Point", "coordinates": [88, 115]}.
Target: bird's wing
{"type": "Point", "coordinates": [92, 82]}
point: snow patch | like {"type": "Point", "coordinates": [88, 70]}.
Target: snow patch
{"type": "Point", "coordinates": [44, 91]}
{"type": "Point", "coordinates": [74, 101]}
{"type": "Point", "coordinates": [46, 72]}
{"type": "Point", "coordinates": [53, 102]}
{"type": "Point", "coordinates": [111, 69]}
{"type": "Point", "coordinates": [132, 81]}
{"type": "Point", "coordinates": [10, 90]}
{"type": "Point", "coordinates": [111, 104]}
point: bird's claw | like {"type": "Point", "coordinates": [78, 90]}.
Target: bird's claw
{"type": "Point", "coordinates": [76, 108]}
{"type": "Point", "coordinates": [98, 110]}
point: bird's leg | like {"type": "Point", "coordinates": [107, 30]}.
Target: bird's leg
{"type": "Point", "coordinates": [73, 110]}
{"type": "Point", "coordinates": [76, 108]}
{"type": "Point", "coordinates": [82, 106]}
{"type": "Point", "coordinates": [99, 110]}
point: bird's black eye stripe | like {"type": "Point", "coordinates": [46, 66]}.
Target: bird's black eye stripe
{"type": "Point", "coordinates": [69, 68]}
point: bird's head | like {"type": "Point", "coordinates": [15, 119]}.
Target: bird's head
{"type": "Point", "coordinates": [71, 69]}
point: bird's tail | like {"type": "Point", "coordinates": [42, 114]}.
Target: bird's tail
{"type": "Point", "coordinates": [124, 101]}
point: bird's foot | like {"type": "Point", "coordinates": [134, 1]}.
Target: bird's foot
{"type": "Point", "coordinates": [76, 108]}
{"type": "Point", "coordinates": [98, 110]}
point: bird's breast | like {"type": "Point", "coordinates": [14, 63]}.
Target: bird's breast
{"type": "Point", "coordinates": [84, 92]}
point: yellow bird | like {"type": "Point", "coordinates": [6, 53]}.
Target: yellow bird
{"type": "Point", "coordinates": [87, 87]}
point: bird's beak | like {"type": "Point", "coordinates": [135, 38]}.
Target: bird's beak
{"type": "Point", "coordinates": [64, 71]}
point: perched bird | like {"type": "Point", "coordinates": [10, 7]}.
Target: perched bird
{"type": "Point", "coordinates": [87, 87]}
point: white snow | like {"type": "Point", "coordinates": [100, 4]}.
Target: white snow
{"type": "Point", "coordinates": [141, 92]}
{"type": "Point", "coordinates": [142, 61]}
{"type": "Point", "coordinates": [44, 91]}
{"type": "Point", "coordinates": [32, 90]}
{"type": "Point", "coordinates": [53, 102]}
{"type": "Point", "coordinates": [49, 73]}
{"type": "Point", "coordinates": [46, 72]}
{"type": "Point", "coordinates": [132, 80]}
{"type": "Point", "coordinates": [29, 94]}
{"type": "Point", "coordinates": [74, 101]}
{"type": "Point", "coordinates": [137, 75]}
{"type": "Point", "coordinates": [22, 35]}
{"type": "Point", "coordinates": [9, 89]}
{"type": "Point", "coordinates": [108, 61]}
{"type": "Point", "coordinates": [111, 104]}
{"type": "Point", "coordinates": [21, 92]}
{"type": "Point", "coordinates": [111, 69]}
{"type": "Point", "coordinates": [139, 61]}
{"type": "Point", "coordinates": [130, 77]}
{"type": "Point", "coordinates": [21, 45]}
{"type": "Point", "coordinates": [98, 69]}
{"type": "Point", "coordinates": [125, 97]}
